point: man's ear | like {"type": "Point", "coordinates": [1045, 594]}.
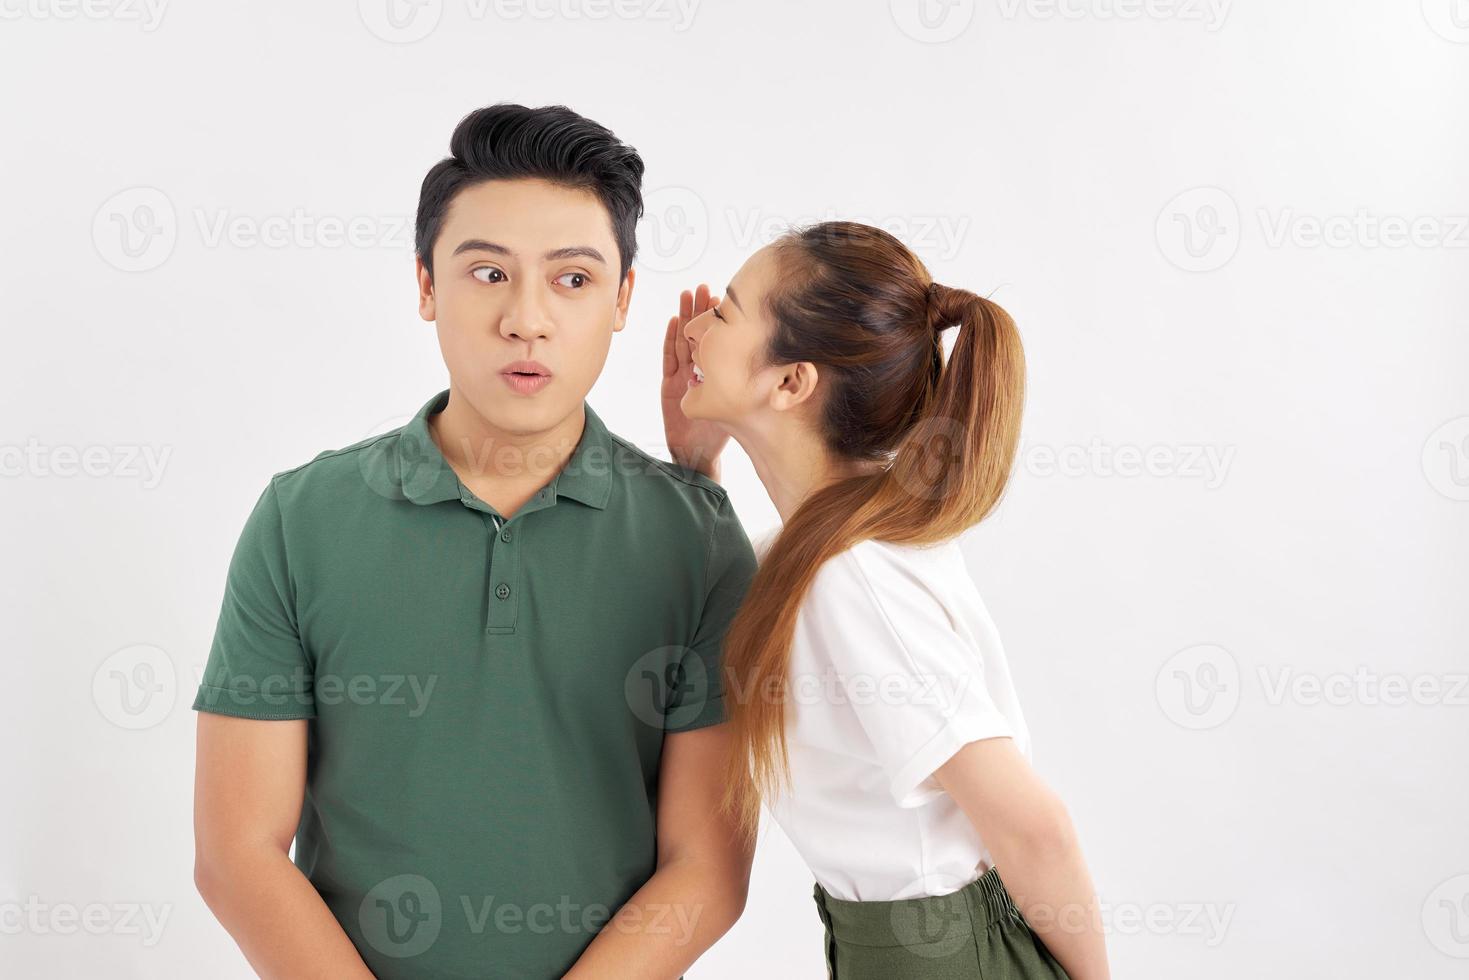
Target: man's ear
{"type": "Point", "coordinates": [425, 291]}
{"type": "Point", "coordinates": [624, 297]}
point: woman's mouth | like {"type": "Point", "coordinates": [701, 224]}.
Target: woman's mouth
{"type": "Point", "coordinates": [698, 377]}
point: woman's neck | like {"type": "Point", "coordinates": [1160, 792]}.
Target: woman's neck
{"type": "Point", "coordinates": [793, 463]}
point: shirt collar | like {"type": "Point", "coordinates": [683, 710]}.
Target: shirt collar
{"type": "Point", "coordinates": [425, 476]}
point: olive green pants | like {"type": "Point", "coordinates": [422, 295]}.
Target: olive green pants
{"type": "Point", "coordinates": [974, 932]}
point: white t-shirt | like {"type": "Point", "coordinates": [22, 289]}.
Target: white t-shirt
{"type": "Point", "coordinates": [895, 666]}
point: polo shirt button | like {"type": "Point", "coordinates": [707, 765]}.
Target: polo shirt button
{"type": "Point", "coordinates": [502, 590]}
{"type": "Point", "coordinates": [505, 535]}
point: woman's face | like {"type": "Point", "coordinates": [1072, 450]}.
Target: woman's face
{"type": "Point", "coordinates": [727, 343]}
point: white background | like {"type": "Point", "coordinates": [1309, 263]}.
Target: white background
{"type": "Point", "coordinates": [1233, 238]}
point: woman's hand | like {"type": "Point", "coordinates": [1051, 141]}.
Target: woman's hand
{"type": "Point", "coordinates": [694, 443]}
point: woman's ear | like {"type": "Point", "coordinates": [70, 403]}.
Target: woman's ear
{"type": "Point", "coordinates": [797, 384]}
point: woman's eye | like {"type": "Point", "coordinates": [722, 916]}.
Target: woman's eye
{"type": "Point", "coordinates": [485, 271]}
{"type": "Point", "coordinates": [717, 314]}
{"type": "Point", "coordinates": [579, 280]}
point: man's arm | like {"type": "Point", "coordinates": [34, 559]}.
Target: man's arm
{"type": "Point", "coordinates": [249, 781]}
{"type": "Point", "coordinates": [703, 875]}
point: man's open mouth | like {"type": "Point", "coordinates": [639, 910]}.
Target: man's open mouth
{"type": "Point", "coordinates": [526, 369]}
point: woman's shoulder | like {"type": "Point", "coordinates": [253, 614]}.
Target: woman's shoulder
{"type": "Point", "coordinates": [876, 554]}
{"type": "Point", "coordinates": [877, 596]}
{"type": "Point", "coordinates": [900, 578]}
{"type": "Point", "coordinates": [919, 561]}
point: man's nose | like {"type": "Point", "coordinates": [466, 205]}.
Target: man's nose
{"type": "Point", "coordinates": [528, 316]}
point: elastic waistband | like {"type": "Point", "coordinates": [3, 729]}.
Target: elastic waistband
{"type": "Point", "coordinates": [908, 921]}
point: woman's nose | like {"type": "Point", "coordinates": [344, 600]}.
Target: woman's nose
{"type": "Point", "coordinates": [694, 329]}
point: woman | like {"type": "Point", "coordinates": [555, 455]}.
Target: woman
{"type": "Point", "coordinates": [872, 707]}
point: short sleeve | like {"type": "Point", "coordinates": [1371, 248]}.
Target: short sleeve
{"type": "Point", "coordinates": [258, 667]}
{"type": "Point", "coordinates": [916, 686]}
{"type": "Point", "coordinates": [697, 699]}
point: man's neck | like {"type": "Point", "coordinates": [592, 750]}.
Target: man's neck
{"type": "Point", "coordinates": [504, 469]}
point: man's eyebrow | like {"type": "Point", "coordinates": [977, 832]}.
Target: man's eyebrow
{"type": "Point", "coordinates": [729, 291]}
{"type": "Point", "coordinates": [480, 245]}
{"type": "Point", "coordinates": [575, 252]}
{"type": "Point", "coordinates": [567, 252]}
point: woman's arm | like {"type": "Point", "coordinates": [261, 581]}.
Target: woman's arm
{"type": "Point", "coordinates": [1029, 834]}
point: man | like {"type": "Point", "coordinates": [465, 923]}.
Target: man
{"type": "Point", "coordinates": [471, 666]}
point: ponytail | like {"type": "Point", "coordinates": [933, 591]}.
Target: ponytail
{"type": "Point", "coordinates": [954, 443]}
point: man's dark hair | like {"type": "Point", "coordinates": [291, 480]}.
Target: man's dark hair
{"type": "Point", "coordinates": [507, 141]}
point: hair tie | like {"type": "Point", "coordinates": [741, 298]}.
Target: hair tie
{"type": "Point", "coordinates": [936, 319]}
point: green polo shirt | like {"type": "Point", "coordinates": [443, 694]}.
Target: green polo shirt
{"type": "Point", "coordinates": [487, 697]}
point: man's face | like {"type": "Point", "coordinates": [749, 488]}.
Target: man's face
{"type": "Point", "coordinates": [525, 270]}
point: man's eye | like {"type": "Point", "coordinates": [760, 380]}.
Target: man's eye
{"type": "Point", "coordinates": [578, 280]}
{"type": "Point", "coordinates": [485, 271]}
